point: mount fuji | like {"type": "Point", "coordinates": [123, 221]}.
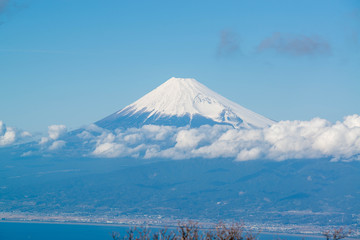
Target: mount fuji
{"type": "Point", "coordinates": [183, 102]}
{"type": "Point", "coordinates": [169, 174]}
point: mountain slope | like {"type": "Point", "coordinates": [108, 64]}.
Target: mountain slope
{"type": "Point", "coordinates": [181, 102]}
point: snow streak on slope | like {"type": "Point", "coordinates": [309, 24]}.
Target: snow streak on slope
{"type": "Point", "coordinates": [181, 101]}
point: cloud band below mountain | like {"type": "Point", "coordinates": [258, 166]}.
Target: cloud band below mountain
{"type": "Point", "coordinates": [317, 138]}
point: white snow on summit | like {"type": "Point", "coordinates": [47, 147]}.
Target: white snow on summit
{"type": "Point", "coordinates": [182, 96]}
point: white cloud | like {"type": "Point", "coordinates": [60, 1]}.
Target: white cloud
{"type": "Point", "coordinates": [352, 121]}
{"type": "Point", "coordinates": [246, 154]}
{"type": "Point", "coordinates": [56, 131]}
{"type": "Point", "coordinates": [155, 132]}
{"type": "Point", "coordinates": [188, 139]}
{"type": "Point", "coordinates": [8, 138]}
{"type": "Point", "coordinates": [133, 138]}
{"type": "Point", "coordinates": [152, 152]}
{"type": "Point", "coordinates": [44, 140]}
{"type": "Point", "coordinates": [85, 135]}
{"type": "Point", "coordinates": [109, 149]}
{"type": "Point", "coordinates": [26, 154]}
{"type": "Point", "coordinates": [52, 141]}
{"type": "Point", "coordinates": [2, 128]}
{"type": "Point", "coordinates": [10, 135]}
{"type": "Point", "coordinates": [56, 145]}
{"type": "Point", "coordinates": [316, 138]}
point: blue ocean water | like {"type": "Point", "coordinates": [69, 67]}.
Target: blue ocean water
{"type": "Point", "coordinates": [47, 231]}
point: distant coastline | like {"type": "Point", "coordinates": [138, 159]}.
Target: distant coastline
{"type": "Point", "coordinates": [125, 225]}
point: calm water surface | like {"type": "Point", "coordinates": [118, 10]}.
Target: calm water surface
{"type": "Point", "coordinates": [46, 231]}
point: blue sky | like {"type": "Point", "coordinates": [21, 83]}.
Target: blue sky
{"type": "Point", "coordinates": [75, 62]}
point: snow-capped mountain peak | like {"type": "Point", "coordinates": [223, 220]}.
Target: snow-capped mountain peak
{"type": "Point", "coordinates": [184, 101]}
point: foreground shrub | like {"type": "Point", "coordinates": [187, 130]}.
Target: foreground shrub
{"type": "Point", "coordinates": [193, 231]}
{"type": "Point", "coordinates": [189, 231]}
{"type": "Point", "coordinates": [337, 234]}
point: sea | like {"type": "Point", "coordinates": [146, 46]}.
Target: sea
{"type": "Point", "coordinates": [68, 231]}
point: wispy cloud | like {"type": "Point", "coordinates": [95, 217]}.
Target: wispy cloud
{"type": "Point", "coordinates": [3, 4]}
{"type": "Point", "coordinates": [355, 28]}
{"type": "Point", "coordinates": [228, 44]}
{"type": "Point", "coordinates": [9, 8]}
{"type": "Point", "coordinates": [355, 13]}
{"type": "Point", "coordinates": [299, 45]}
{"type": "Point", "coordinates": [35, 51]}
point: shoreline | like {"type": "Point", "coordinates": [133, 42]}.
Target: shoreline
{"type": "Point", "coordinates": [68, 223]}
{"type": "Point", "coordinates": [150, 226]}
